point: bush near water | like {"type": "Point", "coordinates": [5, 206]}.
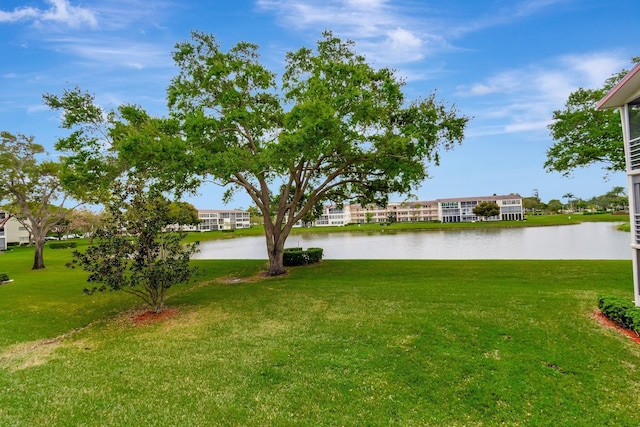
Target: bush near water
{"type": "Point", "coordinates": [297, 256]}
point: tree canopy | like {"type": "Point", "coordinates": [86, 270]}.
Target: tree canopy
{"type": "Point", "coordinates": [585, 135]}
{"type": "Point", "coordinates": [31, 188]}
{"type": "Point", "coordinates": [486, 209]}
{"type": "Point", "coordinates": [334, 129]}
{"type": "Point", "coordinates": [105, 145]}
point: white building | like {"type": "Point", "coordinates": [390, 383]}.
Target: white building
{"type": "Point", "coordinates": [444, 210]}
{"type": "Point", "coordinates": [216, 219]}
{"type": "Point", "coordinates": [461, 209]}
{"type": "Point", "coordinates": [11, 232]}
{"type": "Point", "coordinates": [333, 216]}
{"type": "Point", "coordinates": [626, 96]}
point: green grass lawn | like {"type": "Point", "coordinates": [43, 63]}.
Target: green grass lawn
{"type": "Point", "coordinates": [407, 343]}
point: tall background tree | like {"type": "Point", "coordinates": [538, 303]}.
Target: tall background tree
{"type": "Point", "coordinates": [486, 210]}
{"type": "Point", "coordinates": [86, 222]}
{"type": "Point", "coordinates": [335, 129]}
{"type": "Point", "coordinates": [31, 188]}
{"type": "Point", "coordinates": [569, 197]}
{"type": "Point", "coordinates": [183, 213]}
{"type": "Point", "coordinates": [584, 135]}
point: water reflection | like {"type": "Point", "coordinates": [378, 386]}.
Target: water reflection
{"type": "Point", "coordinates": [588, 240]}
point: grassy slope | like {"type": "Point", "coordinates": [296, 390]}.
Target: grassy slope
{"type": "Point", "coordinates": [340, 343]}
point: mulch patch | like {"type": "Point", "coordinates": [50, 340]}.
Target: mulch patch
{"type": "Point", "coordinates": [146, 317]}
{"type": "Point", "coordinates": [605, 321]}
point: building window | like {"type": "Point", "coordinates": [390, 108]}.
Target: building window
{"type": "Point", "coordinates": [633, 114]}
{"type": "Point", "coordinates": [634, 119]}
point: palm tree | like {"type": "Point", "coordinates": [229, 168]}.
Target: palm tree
{"type": "Point", "coordinates": [569, 197]}
{"type": "Point", "coordinates": [618, 198]}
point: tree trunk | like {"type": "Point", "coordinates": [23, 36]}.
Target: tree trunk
{"type": "Point", "coordinates": [38, 258]}
{"type": "Point", "coordinates": [276, 265]}
{"type": "Point", "coordinates": [275, 250]}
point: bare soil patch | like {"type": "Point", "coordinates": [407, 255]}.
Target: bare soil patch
{"type": "Point", "coordinates": [146, 317]}
{"type": "Point", "coordinates": [605, 321]}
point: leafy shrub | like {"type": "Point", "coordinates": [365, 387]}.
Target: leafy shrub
{"type": "Point", "coordinates": [314, 255]}
{"type": "Point", "coordinates": [293, 257]}
{"type": "Point", "coordinates": [10, 244]}
{"type": "Point", "coordinates": [622, 311]}
{"type": "Point", "coordinates": [4, 277]}
{"type": "Point", "coordinates": [62, 245]}
{"type": "Point", "coordinates": [296, 256]}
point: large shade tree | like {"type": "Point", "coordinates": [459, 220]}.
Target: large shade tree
{"type": "Point", "coordinates": [334, 129]}
{"type": "Point", "coordinates": [30, 185]}
{"type": "Point", "coordinates": [584, 135]}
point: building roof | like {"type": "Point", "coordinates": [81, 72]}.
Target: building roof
{"type": "Point", "coordinates": [626, 90]}
{"type": "Point", "coordinates": [427, 203]}
{"type": "Point", "coordinates": [481, 198]}
{"type": "Point", "coordinates": [221, 211]}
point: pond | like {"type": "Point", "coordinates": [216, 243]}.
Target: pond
{"type": "Point", "coordinates": [588, 240]}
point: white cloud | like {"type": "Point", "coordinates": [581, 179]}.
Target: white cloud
{"type": "Point", "coordinates": [399, 31]}
{"type": "Point", "coordinates": [523, 100]}
{"type": "Point", "coordinates": [382, 31]}
{"type": "Point", "coordinates": [60, 11]}
{"type": "Point", "coordinates": [404, 45]}
{"type": "Point", "coordinates": [114, 52]}
{"type": "Point", "coordinates": [594, 69]}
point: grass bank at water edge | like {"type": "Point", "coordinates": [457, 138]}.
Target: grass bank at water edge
{"type": "Point", "coordinates": [455, 343]}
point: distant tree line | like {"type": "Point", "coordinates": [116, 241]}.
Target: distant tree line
{"type": "Point", "coordinates": [615, 200]}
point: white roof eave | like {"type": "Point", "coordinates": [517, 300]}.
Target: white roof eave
{"type": "Point", "coordinates": [625, 91]}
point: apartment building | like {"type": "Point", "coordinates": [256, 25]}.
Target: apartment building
{"type": "Point", "coordinates": [461, 209]}
{"type": "Point", "coordinates": [333, 215]}
{"type": "Point", "coordinates": [11, 231]}
{"type": "Point", "coordinates": [217, 219]}
{"type": "Point", "coordinates": [414, 211]}
{"type": "Point", "coordinates": [443, 210]}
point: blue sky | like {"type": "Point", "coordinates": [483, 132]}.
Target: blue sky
{"type": "Point", "coordinates": [506, 63]}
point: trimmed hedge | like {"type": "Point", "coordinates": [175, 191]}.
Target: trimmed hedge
{"type": "Point", "coordinates": [296, 256]}
{"type": "Point", "coordinates": [622, 311]}
{"type": "Point", "coordinates": [62, 245]}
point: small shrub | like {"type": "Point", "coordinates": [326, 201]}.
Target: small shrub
{"type": "Point", "coordinates": [296, 256]}
{"type": "Point", "coordinates": [62, 245]}
{"type": "Point", "coordinates": [314, 255]}
{"type": "Point", "coordinates": [293, 257]}
{"type": "Point", "coordinates": [622, 311]}
{"type": "Point", "coordinates": [4, 277]}
{"type": "Point", "coordinates": [10, 244]}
